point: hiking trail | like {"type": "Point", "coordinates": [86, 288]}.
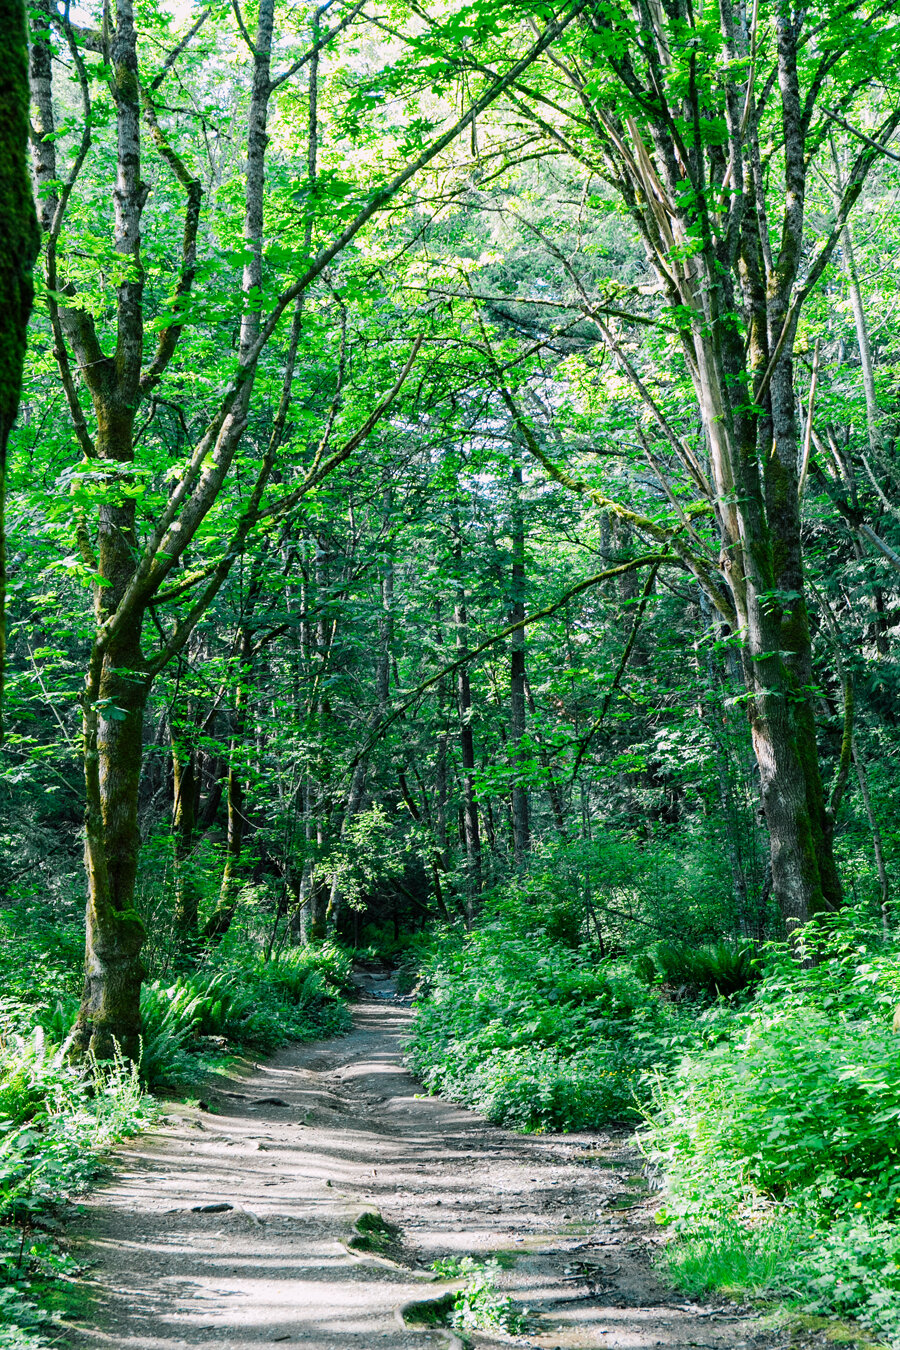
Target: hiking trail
{"type": "Point", "coordinates": [228, 1227]}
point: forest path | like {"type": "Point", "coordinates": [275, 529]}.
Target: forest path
{"type": "Point", "coordinates": [299, 1145]}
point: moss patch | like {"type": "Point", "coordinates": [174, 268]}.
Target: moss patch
{"type": "Point", "coordinates": [372, 1233]}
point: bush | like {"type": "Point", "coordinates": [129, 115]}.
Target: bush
{"type": "Point", "coordinates": [535, 1034]}
{"type": "Point", "coordinates": [717, 970]}
{"type": "Point", "coordinates": [54, 1123]}
{"type": "Point", "coordinates": [780, 1139]}
{"type": "Point", "coordinates": [41, 957]}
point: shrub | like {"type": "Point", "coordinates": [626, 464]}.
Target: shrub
{"type": "Point", "coordinates": [479, 1305]}
{"type": "Point", "coordinates": [780, 1138]}
{"type": "Point", "coordinates": [244, 999]}
{"type": "Point", "coordinates": [55, 1121]}
{"type": "Point", "coordinates": [534, 1034]}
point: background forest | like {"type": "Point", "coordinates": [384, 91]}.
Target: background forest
{"type": "Point", "coordinates": [453, 518]}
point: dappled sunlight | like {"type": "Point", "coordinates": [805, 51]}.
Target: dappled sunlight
{"type": "Point", "coordinates": [275, 1265]}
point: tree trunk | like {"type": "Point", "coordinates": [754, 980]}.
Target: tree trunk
{"type": "Point", "coordinates": [466, 741]}
{"type": "Point", "coordinates": [521, 826]}
{"type": "Point", "coordinates": [19, 233]}
{"type": "Point", "coordinates": [185, 786]}
{"type": "Point", "coordinates": [109, 1018]}
{"type": "Point", "coordinates": [731, 278]}
{"type": "Point", "coordinates": [116, 687]}
{"type": "Point", "coordinates": [220, 921]}
{"type": "Point", "coordinates": [848, 266]}
{"type": "Point", "coordinates": [877, 846]}
{"type": "Point", "coordinates": [554, 792]}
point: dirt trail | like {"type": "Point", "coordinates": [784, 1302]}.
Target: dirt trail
{"type": "Point", "coordinates": [320, 1132]}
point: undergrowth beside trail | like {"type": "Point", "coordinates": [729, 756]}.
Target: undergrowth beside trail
{"type": "Point", "coordinates": [534, 1032]}
{"type": "Point", "coordinates": [770, 1118]}
{"type": "Point", "coordinates": [779, 1145]}
{"type": "Point", "coordinates": [57, 1121]}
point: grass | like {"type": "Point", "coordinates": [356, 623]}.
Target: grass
{"type": "Point", "coordinates": [373, 1233]}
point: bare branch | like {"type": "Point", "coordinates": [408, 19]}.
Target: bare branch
{"type": "Point", "coordinates": [860, 135]}
{"type": "Point", "coordinates": [176, 51]}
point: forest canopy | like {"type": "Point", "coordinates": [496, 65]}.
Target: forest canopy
{"type": "Point", "coordinates": [454, 490]}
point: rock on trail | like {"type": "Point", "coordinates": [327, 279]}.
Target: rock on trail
{"type": "Point", "coordinates": [228, 1228]}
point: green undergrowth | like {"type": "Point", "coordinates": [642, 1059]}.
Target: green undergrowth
{"type": "Point", "coordinates": [479, 1305]}
{"type": "Point", "coordinates": [57, 1121]}
{"type": "Point", "coordinates": [242, 999]}
{"type": "Point", "coordinates": [534, 1032]}
{"type": "Point", "coordinates": [716, 970]}
{"type": "Point", "coordinates": [779, 1143]}
{"type": "Point", "coordinates": [771, 1117]}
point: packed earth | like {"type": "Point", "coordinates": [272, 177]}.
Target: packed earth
{"type": "Point", "coordinates": [233, 1225]}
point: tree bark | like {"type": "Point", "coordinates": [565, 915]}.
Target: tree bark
{"type": "Point", "coordinates": [466, 738]}
{"type": "Point", "coordinates": [219, 922]}
{"type": "Point", "coordinates": [520, 814]}
{"type": "Point", "coordinates": [20, 236]}
{"type": "Point", "coordinates": [185, 784]}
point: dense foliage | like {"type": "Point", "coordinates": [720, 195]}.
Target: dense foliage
{"type": "Point", "coordinates": [770, 1116]}
{"type": "Point", "coordinates": [532, 1033]}
{"type": "Point", "coordinates": [779, 1141]}
{"type": "Point", "coordinates": [453, 514]}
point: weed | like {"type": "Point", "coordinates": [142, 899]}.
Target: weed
{"type": "Point", "coordinates": [479, 1305]}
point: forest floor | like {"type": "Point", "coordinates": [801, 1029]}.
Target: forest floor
{"type": "Point", "coordinates": [227, 1226]}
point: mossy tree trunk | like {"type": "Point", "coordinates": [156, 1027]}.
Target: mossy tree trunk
{"type": "Point", "coordinates": [109, 1017]}
{"type": "Point", "coordinates": [185, 788]}
{"type": "Point", "coordinates": [19, 239]}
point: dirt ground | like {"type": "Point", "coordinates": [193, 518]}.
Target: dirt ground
{"type": "Point", "coordinates": [226, 1227]}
